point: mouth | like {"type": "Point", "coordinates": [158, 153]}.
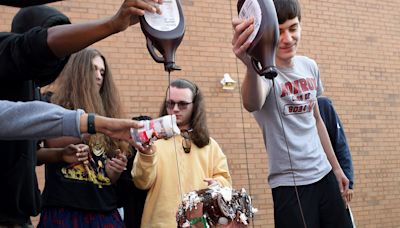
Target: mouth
{"type": "Point", "coordinates": [288, 48]}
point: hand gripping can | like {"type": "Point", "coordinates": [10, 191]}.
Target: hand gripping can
{"type": "Point", "coordinates": [160, 128]}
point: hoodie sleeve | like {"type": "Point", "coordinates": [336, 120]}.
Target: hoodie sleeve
{"type": "Point", "coordinates": [37, 120]}
{"type": "Point", "coordinates": [144, 171]}
{"type": "Point", "coordinates": [25, 3]}
{"type": "Point", "coordinates": [28, 57]}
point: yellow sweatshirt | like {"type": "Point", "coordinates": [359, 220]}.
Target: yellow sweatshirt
{"type": "Point", "coordinates": [159, 173]}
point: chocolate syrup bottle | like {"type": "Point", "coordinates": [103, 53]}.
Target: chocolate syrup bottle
{"type": "Point", "coordinates": [164, 32]}
{"type": "Point", "coordinates": [265, 36]}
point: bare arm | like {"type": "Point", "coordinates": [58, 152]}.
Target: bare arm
{"type": "Point", "coordinates": [326, 144]}
{"type": "Point", "coordinates": [114, 128]}
{"type": "Point", "coordinates": [61, 142]}
{"type": "Point", "coordinates": [254, 88]}
{"type": "Point", "coordinates": [64, 40]}
{"type": "Point", "coordinates": [71, 153]}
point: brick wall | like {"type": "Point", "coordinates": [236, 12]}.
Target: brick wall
{"type": "Point", "coordinates": [357, 48]}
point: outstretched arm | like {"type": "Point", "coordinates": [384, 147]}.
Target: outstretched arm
{"type": "Point", "coordinates": [38, 120]}
{"type": "Point", "coordinates": [64, 40]}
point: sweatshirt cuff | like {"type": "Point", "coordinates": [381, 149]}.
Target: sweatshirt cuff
{"type": "Point", "coordinates": [71, 123]}
{"type": "Point", "coordinates": [147, 158]}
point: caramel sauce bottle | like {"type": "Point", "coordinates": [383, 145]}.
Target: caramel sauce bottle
{"type": "Point", "coordinates": [265, 36]}
{"type": "Point", "coordinates": [164, 32]}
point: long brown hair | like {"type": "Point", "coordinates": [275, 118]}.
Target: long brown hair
{"type": "Point", "coordinates": [76, 86]}
{"type": "Point", "coordinates": [198, 121]}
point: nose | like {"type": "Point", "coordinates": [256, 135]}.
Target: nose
{"type": "Point", "coordinates": [98, 75]}
{"type": "Point", "coordinates": [285, 36]}
{"type": "Point", "coordinates": [176, 108]}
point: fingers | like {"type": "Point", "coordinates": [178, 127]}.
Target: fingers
{"type": "Point", "coordinates": [236, 22]}
{"type": "Point", "coordinates": [83, 147]}
{"type": "Point", "coordinates": [210, 181]}
{"type": "Point", "coordinates": [350, 195]}
{"type": "Point", "coordinates": [242, 30]}
{"type": "Point", "coordinates": [345, 190]}
{"type": "Point", "coordinates": [138, 7]}
{"type": "Point", "coordinates": [83, 157]}
{"type": "Point", "coordinates": [82, 153]}
{"type": "Point", "coordinates": [138, 146]}
{"type": "Point", "coordinates": [118, 164]}
{"type": "Point", "coordinates": [145, 149]}
{"type": "Point", "coordinates": [134, 124]}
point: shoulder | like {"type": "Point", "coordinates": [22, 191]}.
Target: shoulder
{"type": "Point", "coordinates": [213, 142]}
{"type": "Point", "coordinates": [304, 59]}
{"type": "Point", "coordinates": [214, 146]}
{"type": "Point", "coordinates": [306, 63]}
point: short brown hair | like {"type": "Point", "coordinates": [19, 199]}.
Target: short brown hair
{"type": "Point", "coordinates": [287, 9]}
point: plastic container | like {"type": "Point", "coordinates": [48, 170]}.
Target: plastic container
{"type": "Point", "coordinates": [160, 128]}
{"type": "Point", "coordinates": [265, 36]}
{"type": "Point", "coordinates": [164, 32]}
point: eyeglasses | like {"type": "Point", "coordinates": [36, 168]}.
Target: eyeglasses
{"type": "Point", "coordinates": [181, 104]}
{"type": "Point", "coordinates": [186, 142]}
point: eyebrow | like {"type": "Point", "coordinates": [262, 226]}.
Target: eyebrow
{"type": "Point", "coordinates": [97, 67]}
{"type": "Point", "coordinates": [180, 101]}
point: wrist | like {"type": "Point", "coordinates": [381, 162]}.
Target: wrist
{"type": "Point", "coordinates": [111, 25]}
{"type": "Point", "coordinates": [83, 123]}
{"type": "Point", "coordinates": [91, 126]}
{"type": "Point", "coordinates": [60, 154]}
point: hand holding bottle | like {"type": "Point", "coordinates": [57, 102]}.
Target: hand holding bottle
{"type": "Point", "coordinates": [131, 9]}
{"type": "Point", "coordinates": [242, 28]}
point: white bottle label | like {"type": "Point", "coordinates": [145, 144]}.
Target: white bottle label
{"type": "Point", "coordinates": [168, 20]}
{"type": "Point", "coordinates": [251, 8]}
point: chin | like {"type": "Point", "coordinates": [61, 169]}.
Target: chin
{"type": "Point", "coordinates": [287, 56]}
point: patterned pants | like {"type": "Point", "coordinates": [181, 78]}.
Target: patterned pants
{"type": "Point", "coordinates": [69, 218]}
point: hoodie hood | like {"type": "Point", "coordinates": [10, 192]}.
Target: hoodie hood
{"type": "Point", "coordinates": [33, 16]}
{"type": "Point", "coordinates": [25, 3]}
{"type": "Point", "coordinates": [39, 16]}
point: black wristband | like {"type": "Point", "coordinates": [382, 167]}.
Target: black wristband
{"type": "Point", "coordinates": [91, 128]}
